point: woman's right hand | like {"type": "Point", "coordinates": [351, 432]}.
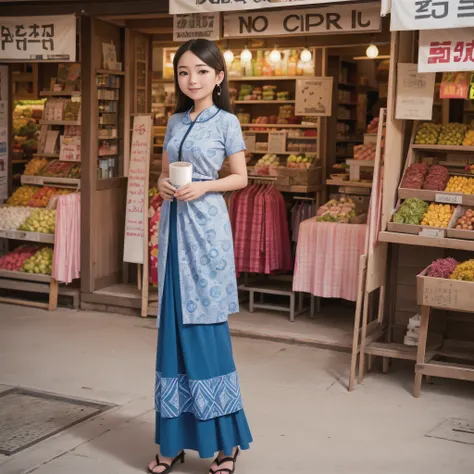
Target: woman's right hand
{"type": "Point", "coordinates": [167, 190]}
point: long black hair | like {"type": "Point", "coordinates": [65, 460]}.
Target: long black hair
{"type": "Point", "coordinates": [211, 55]}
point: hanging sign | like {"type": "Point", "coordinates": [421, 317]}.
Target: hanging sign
{"type": "Point", "coordinates": [454, 85]}
{"type": "Point", "coordinates": [314, 96]}
{"type": "Point", "coordinates": [277, 142]}
{"type": "Point", "coordinates": [358, 18]}
{"type": "Point", "coordinates": [4, 112]}
{"type": "Point", "coordinates": [193, 26]}
{"type": "Point", "coordinates": [38, 38]}
{"type": "Point", "coordinates": [446, 50]}
{"type": "Point", "coordinates": [431, 14]}
{"type": "Point", "coordinates": [199, 6]}
{"type": "Point", "coordinates": [137, 191]}
{"type": "Point", "coordinates": [415, 93]}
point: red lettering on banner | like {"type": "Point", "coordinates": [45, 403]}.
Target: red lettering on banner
{"type": "Point", "coordinates": [440, 52]}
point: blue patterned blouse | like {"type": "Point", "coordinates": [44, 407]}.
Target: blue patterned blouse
{"type": "Point", "coordinates": [205, 246]}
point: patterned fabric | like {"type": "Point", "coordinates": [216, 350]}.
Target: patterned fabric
{"type": "Point", "coordinates": [206, 399]}
{"type": "Point", "coordinates": [205, 245]}
{"type": "Point", "coordinates": [327, 259]}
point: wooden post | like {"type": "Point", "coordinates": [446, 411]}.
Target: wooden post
{"type": "Point", "coordinates": [420, 357]}
{"type": "Point", "coordinates": [53, 295]}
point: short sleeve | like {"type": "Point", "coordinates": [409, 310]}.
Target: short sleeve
{"type": "Point", "coordinates": [169, 131]}
{"type": "Point", "coordinates": [234, 139]}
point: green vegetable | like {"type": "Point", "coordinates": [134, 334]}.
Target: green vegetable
{"type": "Point", "coordinates": [411, 212]}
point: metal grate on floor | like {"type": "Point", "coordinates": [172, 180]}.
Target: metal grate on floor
{"type": "Point", "coordinates": [28, 417]}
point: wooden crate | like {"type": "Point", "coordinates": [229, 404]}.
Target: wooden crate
{"type": "Point", "coordinates": [454, 233]}
{"type": "Point", "coordinates": [444, 293]}
{"type": "Point", "coordinates": [299, 177]}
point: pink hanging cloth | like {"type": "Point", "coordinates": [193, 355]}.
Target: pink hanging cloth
{"type": "Point", "coordinates": [67, 239]}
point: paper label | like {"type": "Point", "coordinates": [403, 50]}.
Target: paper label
{"type": "Point", "coordinates": [277, 142]}
{"type": "Point", "coordinates": [437, 233]}
{"type": "Point", "coordinates": [31, 179]}
{"type": "Point", "coordinates": [250, 140]}
{"type": "Point", "coordinates": [448, 198]}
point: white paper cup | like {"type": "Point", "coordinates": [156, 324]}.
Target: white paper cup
{"type": "Point", "coordinates": [181, 173]}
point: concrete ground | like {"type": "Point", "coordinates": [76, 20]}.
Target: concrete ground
{"type": "Point", "coordinates": [302, 417]}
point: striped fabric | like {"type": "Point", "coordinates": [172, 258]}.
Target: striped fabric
{"type": "Point", "coordinates": [327, 259]}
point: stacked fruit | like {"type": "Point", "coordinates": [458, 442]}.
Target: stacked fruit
{"type": "Point", "coordinates": [13, 261]}
{"type": "Point", "coordinates": [437, 178]}
{"type": "Point", "coordinates": [452, 134]}
{"type": "Point", "coordinates": [268, 162]}
{"type": "Point", "coordinates": [428, 133]}
{"type": "Point", "coordinates": [469, 138]}
{"type": "Point", "coordinates": [460, 184]}
{"type": "Point", "coordinates": [464, 271]}
{"type": "Point", "coordinates": [41, 262]}
{"type": "Point", "coordinates": [438, 215]}
{"type": "Point", "coordinates": [11, 217]}
{"type": "Point", "coordinates": [304, 161]}
{"type": "Point", "coordinates": [42, 197]}
{"type": "Point", "coordinates": [415, 176]}
{"type": "Point", "coordinates": [410, 212]}
{"type": "Point", "coordinates": [365, 152]}
{"type": "Point", "coordinates": [35, 165]}
{"type": "Point", "coordinates": [337, 211]}
{"type": "Point", "coordinates": [373, 125]}
{"type": "Point", "coordinates": [57, 169]}
{"type": "Point", "coordinates": [466, 221]}
{"type": "Point", "coordinates": [40, 220]}
{"type": "Point", "coordinates": [22, 196]}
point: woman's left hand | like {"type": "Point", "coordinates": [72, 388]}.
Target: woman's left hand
{"type": "Point", "coordinates": [191, 191]}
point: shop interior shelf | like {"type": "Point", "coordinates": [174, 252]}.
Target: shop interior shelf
{"type": "Point", "coordinates": [27, 236]}
{"type": "Point", "coordinates": [51, 181]}
{"type": "Point", "coordinates": [300, 189]}
{"type": "Point", "coordinates": [443, 148]}
{"type": "Point", "coordinates": [46, 155]}
{"type": "Point", "coordinates": [351, 184]}
{"type": "Point", "coordinates": [288, 137]}
{"type": "Point", "coordinates": [413, 239]}
{"type": "Point", "coordinates": [60, 122]}
{"type": "Point", "coordinates": [264, 101]}
{"type": "Point", "coordinates": [276, 125]}
{"type": "Point", "coordinates": [283, 152]}
{"type": "Point", "coordinates": [349, 140]}
{"type": "Point", "coordinates": [110, 71]}
{"type": "Point", "coordinates": [25, 276]}
{"type": "Point", "coordinates": [60, 94]}
{"type": "Point", "coordinates": [268, 78]}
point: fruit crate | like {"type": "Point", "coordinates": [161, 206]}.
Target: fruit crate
{"type": "Point", "coordinates": [454, 233]}
{"type": "Point", "coordinates": [298, 177]}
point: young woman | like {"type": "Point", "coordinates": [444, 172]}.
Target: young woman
{"type": "Point", "coordinates": [197, 393]}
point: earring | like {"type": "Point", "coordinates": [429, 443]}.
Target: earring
{"type": "Point", "coordinates": [219, 90]}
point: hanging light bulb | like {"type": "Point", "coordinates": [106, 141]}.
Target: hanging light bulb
{"type": "Point", "coordinates": [246, 55]}
{"type": "Point", "coordinates": [306, 55]}
{"type": "Point", "coordinates": [275, 56]}
{"type": "Point", "coordinates": [229, 56]}
{"type": "Point", "coordinates": [372, 51]}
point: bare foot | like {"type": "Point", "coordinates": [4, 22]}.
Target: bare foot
{"type": "Point", "coordinates": [223, 465]}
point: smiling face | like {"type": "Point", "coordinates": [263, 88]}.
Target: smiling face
{"type": "Point", "coordinates": [196, 79]}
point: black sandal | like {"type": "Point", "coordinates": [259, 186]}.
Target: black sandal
{"type": "Point", "coordinates": [169, 467]}
{"type": "Point", "coordinates": [223, 460]}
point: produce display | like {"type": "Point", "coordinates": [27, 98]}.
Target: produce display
{"type": "Point", "coordinates": [269, 92]}
{"type": "Point", "coordinates": [464, 271]}
{"type": "Point", "coordinates": [365, 152]}
{"type": "Point", "coordinates": [452, 134]}
{"type": "Point", "coordinates": [22, 196]}
{"type": "Point", "coordinates": [25, 127]}
{"type": "Point", "coordinates": [302, 161]}
{"type": "Point", "coordinates": [75, 172]}
{"type": "Point", "coordinates": [460, 184]}
{"type": "Point", "coordinates": [266, 163]}
{"type": "Point", "coordinates": [34, 166]}
{"type": "Point", "coordinates": [14, 261]}
{"type": "Point", "coordinates": [428, 133]}
{"type": "Point", "coordinates": [57, 169]}
{"type": "Point", "coordinates": [415, 176]}
{"type": "Point", "coordinates": [373, 125]}
{"type": "Point", "coordinates": [438, 215]}
{"type": "Point", "coordinates": [469, 138]}
{"type": "Point", "coordinates": [41, 262]}
{"type": "Point", "coordinates": [411, 211]}
{"type": "Point", "coordinates": [40, 220]}
{"type": "Point", "coordinates": [11, 217]}
{"type": "Point", "coordinates": [442, 268]}
{"type": "Point", "coordinates": [42, 197]}
{"type": "Point", "coordinates": [273, 119]}
{"type": "Point", "coordinates": [466, 221]}
{"type": "Point", "coordinates": [340, 211]}
{"type": "Point", "coordinates": [437, 178]}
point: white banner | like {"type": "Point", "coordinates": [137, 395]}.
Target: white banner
{"type": "Point", "coordinates": [314, 96]}
{"type": "Point", "coordinates": [193, 26]}
{"type": "Point", "coordinates": [431, 14]}
{"type": "Point", "coordinates": [38, 38]}
{"type": "Point", "coordinates": [415, 93]}
{"type": "Point", "coordinates": [358, 18]}
{"type": "Point", "coordinates": [199, 6]}
{"type": "Point", "coordinates": [386, 6]}
{"type": "Point", "coordinates": [137, 191]}
{"type": "Point", "coordinates": [446, 50]}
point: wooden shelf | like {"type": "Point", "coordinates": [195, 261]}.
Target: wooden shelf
{"type": "Point", "coordinates": [346, 84]}
{"type": "Point", "coordinates": [267, 78]}
{"type": "Point", "coordinates": [284, 152]}
{"type": "Point", "coordinates": [25, 276]}
{"type": "Point", "coordinates": [46, 155]}
{"type": "Point", "coordinates": [60, 94]}
{"type": "Point", "coordinates": [19, 162]}
{"type": "Point", "coordinates": [59, 122]}
{"type": "Point", "coordinates": [349, 184]}
{"type": "Point", "coordinates": [288, 138]}
{"type": "Point", "coordinates": [50, 181]}
{"type": "Point", "coordinates": [346, 119]}
{"type": "Point", "coordinates": [443, 148]}
{"type": "Point", "coordinates": [27, 236]}
{"type": "Point", "coordinates": [349, 140]}
{"type": "Point", "coordinates": [109, 87]}
{"type": "Point", "coordinates": [162, 80]}
{"type": "Point", "coordinates": [414, 239]}
{"type": "Point", "coordinates": [110, 71]}
{"type": "Point", "coordinates": [264, 101]}
{"type": "Point", "coordinates": [259, 125]}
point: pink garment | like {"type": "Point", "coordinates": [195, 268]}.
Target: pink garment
{"type": "Point", "coordinates": [67, 239]}
{"type": "Point", "coordinates": [327, 259]}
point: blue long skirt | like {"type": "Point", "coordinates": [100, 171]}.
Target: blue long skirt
{"type": "Point", "coordinates": [199, 352]}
